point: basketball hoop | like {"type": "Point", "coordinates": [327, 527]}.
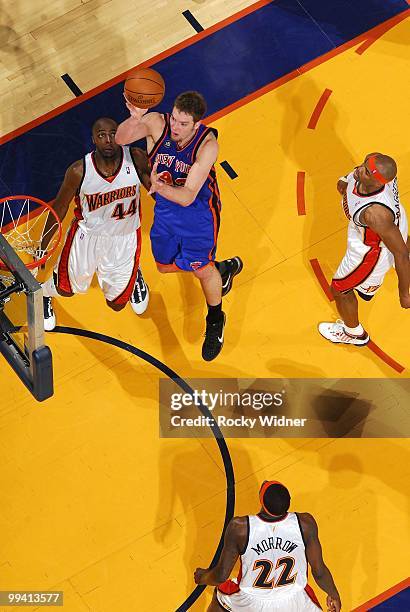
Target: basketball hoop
{"type": "Point", "coordinates": [23, 222]}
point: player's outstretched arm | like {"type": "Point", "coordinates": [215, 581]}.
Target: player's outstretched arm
{"type": "Point", "coordinates": [143, 168]}
{"type": "Point", "coordinates": [197, 175]}
{"type": "Point", "coordinates": [138, 125]}
{"type": "Point", "coordinates": [320, 572]}
{"type": "Point", "coordinates": [66, 193]}
{"type": "Point", "coordinates": [234, 542]}
{"type": "Point", "coordinates": [380, 220]}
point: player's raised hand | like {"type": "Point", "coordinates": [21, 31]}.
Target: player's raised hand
{"type": "Point", "coordinates": [159, 179]}
{"type": "Point", "coordinates": [135, 112]}
{"type": "Point", "coordinates": [333, 604]}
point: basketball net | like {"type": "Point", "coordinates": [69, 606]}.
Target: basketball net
{"type": "Point", "coordinates": [23, 221]}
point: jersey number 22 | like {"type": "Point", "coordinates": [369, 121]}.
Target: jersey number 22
{"type": "Point", "coordinates": [265, 566]}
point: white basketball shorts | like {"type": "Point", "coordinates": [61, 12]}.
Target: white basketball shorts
{"type": "Point", "coordinates": [114, 259]}
{"type": "Point", "coordinates": [298, 601]}
{"type": "Point", "coordinates": [363, 267]}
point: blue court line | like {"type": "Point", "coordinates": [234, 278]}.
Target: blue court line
{"type": "Point", "coordinates": [397, 603]}
{"type": "Point", "coordinates": [227, 65]}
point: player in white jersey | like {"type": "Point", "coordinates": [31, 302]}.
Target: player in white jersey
{"type": "Point", "coordinates": [274, 548]}
{"type": "Point", "coordinates": [105, 235]}
{"type": "Point", "coordinates": [377, 236]}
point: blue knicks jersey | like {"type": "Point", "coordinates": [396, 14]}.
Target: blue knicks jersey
{"type": "Point", "coordinates": [174, 164]}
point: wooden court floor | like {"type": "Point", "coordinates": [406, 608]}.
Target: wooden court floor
{"type": "Point", "coordinates": [94, 502]}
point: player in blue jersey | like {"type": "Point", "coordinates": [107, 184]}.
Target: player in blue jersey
{"type": "Point", "coordinates": [184, 234]}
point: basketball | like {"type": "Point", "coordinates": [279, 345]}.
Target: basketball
{"type": "Point", "coordinates": [144, 87]}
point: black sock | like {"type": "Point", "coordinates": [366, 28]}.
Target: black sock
{"type": "Point", "coordinates": [214, 313]}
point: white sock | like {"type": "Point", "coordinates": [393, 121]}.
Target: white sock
{"type": "Point", "coordinates": [49, 288]}
{"type": "Point", "coordinates": [355, 331]}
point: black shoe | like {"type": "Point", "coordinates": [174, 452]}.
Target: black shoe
{"type": "Point", "coordinates": [214, 339]}
{"type": "Point", "coordinates": [228, 269]}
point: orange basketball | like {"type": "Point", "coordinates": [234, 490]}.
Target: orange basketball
{"type": "Point", "coordinates": [144, 87]}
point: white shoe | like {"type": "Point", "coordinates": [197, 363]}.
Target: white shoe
{"type": "Point", "coordinates": [140, 296]}
{"type": "Point", "coordinates": [336, 332]}
{"type": "Point", "coordinates": [49, 316]}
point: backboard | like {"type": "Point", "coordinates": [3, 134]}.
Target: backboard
{"type": "Point", "coordinates": [22, 326]}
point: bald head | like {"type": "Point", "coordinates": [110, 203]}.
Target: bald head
{"type": "Point", "coordinates": [386, 166]}
{"type": "Point", "coordinates": [104, 123]}
{"type": "Point", "coordinates": [274, 497]}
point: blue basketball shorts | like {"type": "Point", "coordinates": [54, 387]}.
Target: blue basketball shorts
{"type": "Point", "coordinates": [184, 236]}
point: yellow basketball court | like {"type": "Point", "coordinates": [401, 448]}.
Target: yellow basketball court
{"type": "Point", "coordinates": [95, 503]}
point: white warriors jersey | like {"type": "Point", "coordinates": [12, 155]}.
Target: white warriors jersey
{"type": "Point", "coordinates": [274, 563]}
{"type": "Point", "coordinates": [354, 204]}
{"type": "Point", "coordinates": [109, 205]}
